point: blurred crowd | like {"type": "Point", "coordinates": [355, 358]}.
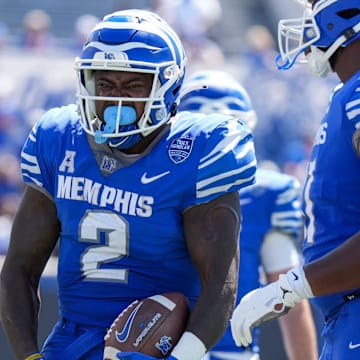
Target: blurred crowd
{"type": "Point", "coordinates": [36, 74]}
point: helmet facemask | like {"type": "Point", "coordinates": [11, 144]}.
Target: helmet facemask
{"type": "Point", "coordinates": [318, 34]}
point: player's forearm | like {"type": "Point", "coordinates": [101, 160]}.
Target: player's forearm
{"type": "Point", "coordinates": [299, 333]}
{"type": "Point", "coordinates": [212, 233]}
{"type": "Point", "coordinates": [19, 315]}
{"type": "Point", "coordinates": [215, 304]}
{"type": "Point", "coordinates": [339, 270]}
{"type": "Point", "coordinates": [210, 316]}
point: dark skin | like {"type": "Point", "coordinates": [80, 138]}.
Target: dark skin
{"type": "Point", "coordinates": [211, 234]}
{"type": "Point", "coordinates": [339, 270]}
{"type": "Point", "coordinates": [126, 84]}
{"type": "Point", "coordinates": [26, 258]}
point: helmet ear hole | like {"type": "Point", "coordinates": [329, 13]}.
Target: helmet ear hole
{"type": "Point", "coordinates": [173, 110]}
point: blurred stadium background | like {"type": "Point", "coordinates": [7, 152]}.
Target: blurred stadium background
{"type": "Point", "coordinates": [39, 40]}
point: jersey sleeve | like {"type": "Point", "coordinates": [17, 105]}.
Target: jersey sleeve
{"type": "Point", "coordinates": [228, 162]}
{"type": "Point", "coordinates": [287, 215]}
{"type": "Point", "coordinates": [40, 151]}
{"type": "Point", "coordinates": [352, 108]}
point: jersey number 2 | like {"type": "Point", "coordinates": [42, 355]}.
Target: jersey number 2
{"type": "Point", "coordinates": [93, 226]}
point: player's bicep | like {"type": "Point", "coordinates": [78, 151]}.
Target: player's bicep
{"type": "Point", "coordinates": [212, 233]}
{"type": "Point", "coordinates": [352, 110]}
{"type": "Point", "coordinates": [356, 140]}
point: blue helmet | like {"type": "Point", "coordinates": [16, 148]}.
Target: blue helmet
{"type": "Point", "coordinates": [329, 25]}
{"type": "Point", "coordinates": [130, 41]}
{"type": "Point", "coordinates": [216, 91]}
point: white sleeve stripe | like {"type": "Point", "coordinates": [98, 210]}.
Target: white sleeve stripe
{"type": "Point", "coordinates": [221, 189]}
{"type": "Point", "coordinates": [29, 158]}
{"type": "Point", "coordinates": [287, 196]}
{"type": "Point", "coordinates": [351, 104]}
{"type": "Point", "coordinates": [32, 137]}
{"type": "Point", "coordinates": [203, 183]}
{"type": "Point", "coordinates": [35, 169]}
{"type": "Point", "coordinates": [37, 182]}
{"type": "Point", "coordinates": [226, 145]}
{"type": "Point", "coordinates": [287, 225]}
{"type": "Point", "coordinates": [353, 114]}
{"type": "Point", "coordinates": [286, 214]}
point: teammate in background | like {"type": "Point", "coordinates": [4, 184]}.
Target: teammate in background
{"type": "Point", "coordinates": [141, 204]}
{"type": "Point", "coordinates": [272, 222]}
{"type": "Point", "coordinates": [329, 36]}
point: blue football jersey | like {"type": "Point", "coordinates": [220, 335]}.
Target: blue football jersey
{"type": "Point", "coordinates": [272, 203]}
{"type": "Point", "coordinates": [121, 220]}
{"type": "Point", "coordinates": [331, 191]}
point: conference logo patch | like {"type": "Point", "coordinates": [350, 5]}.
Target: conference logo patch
{"type": "Point", "coordinates": [180, 149]}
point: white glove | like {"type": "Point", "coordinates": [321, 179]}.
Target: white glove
{"type": "Point", "coordinates": [268, 302]}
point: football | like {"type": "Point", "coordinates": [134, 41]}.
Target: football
{"type": "Point", "coordinates": [151, 326]}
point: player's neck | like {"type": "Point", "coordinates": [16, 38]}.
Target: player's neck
{"type": "Point", "coordinates": [347, 62]}
{"type": "Point", "coordinates": [147, 141]}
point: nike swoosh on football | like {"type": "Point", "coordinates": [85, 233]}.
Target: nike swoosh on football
{"type": "Point", "coordinates": [147, 180]}
{"type": "Point", "coordinates": [122, 335]}
{"type": "Point", "coordinates": [353, 346]}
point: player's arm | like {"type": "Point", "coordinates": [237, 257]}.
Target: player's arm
{"type": "Point", "coordinates": [212, 232]}
{"type": "Point", "coordinates": [338, 270]}
{"type": "Point", "coordinates": [33, 237]}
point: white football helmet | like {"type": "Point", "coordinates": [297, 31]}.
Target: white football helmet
{"type": "Point", "coordinates": [213, 91]}
{"type": "Point", "coordinates": [130, 41]}
{"type": "Point", "coordinates": [304, 3]}
{"type": "Point", "coordinates": [329, 25]}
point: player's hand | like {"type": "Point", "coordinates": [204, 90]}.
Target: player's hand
{"type": "Point", "coordinates": [255, 308]}
{"type": "Point", "coordinates": [137, 356]}
{"type": "Point", "coordinates": [267, 303]}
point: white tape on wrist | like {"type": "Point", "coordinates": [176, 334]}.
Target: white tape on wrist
{"type": "Point", "coordinates": [294, 287]}
{"type": "Point", "coordinates": [189, 347]}
{"type": "Point", "coordinates": [299, 283]}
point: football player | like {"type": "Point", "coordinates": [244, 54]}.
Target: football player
{"type": "Point", "coordinates": [329, 36]}
{"type": "Point", "coordinates": [272, 222]}
{"type": "Point", "coordinates": [142, 203]}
